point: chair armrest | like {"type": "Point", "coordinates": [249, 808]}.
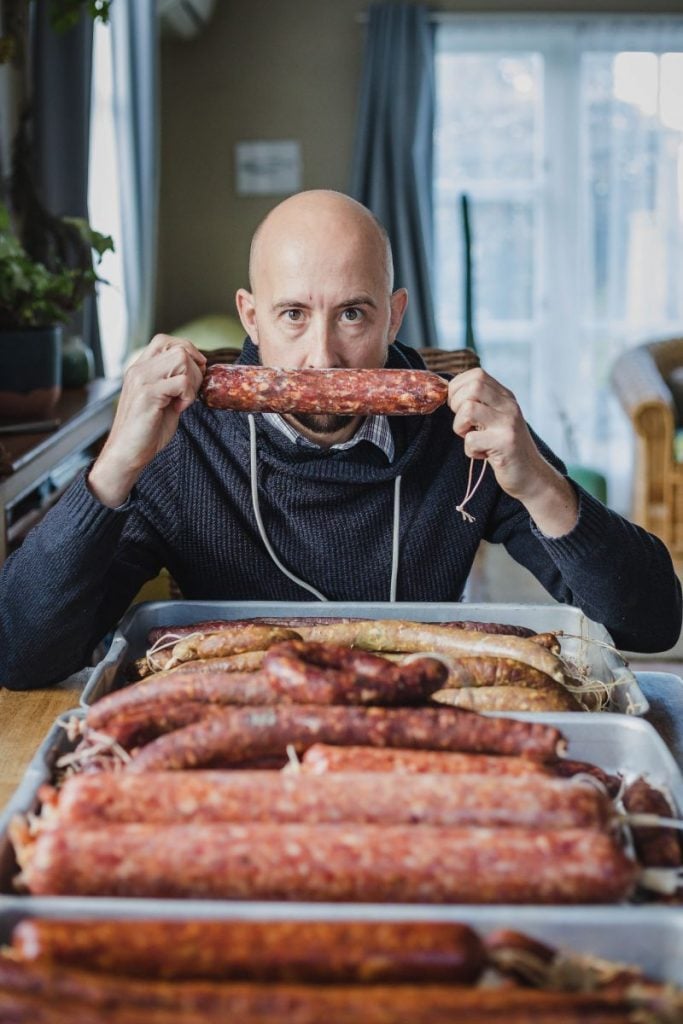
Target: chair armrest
{"type": "Point", "coordinates": [642, 390]}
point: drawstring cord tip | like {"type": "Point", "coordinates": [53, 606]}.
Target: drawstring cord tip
{"type": "Point", "coordinates": [466, 515]}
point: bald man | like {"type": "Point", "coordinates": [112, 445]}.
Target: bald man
{"type": "Point", "coordinates": [289, 508]}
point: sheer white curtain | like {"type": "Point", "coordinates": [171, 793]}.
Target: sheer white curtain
{"type": "Point", "coordinates": [567, 133]}
{"type": "Point", "coordinates": [135, 76]}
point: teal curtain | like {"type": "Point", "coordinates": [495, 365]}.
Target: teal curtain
{"type": "Point", "coordinates": [392, 163]}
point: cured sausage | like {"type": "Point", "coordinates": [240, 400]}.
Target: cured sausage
{"type": "Point", "coordinates": [231, 735]}
{"type": "Point", "coordinates": [246, 661]}
{"type": "Point", "coordinates": [293, 672]}
{"type": "Point", "coordinates": [656, 847]}
{"type": "Point", "coordinates": [297, 621]}
{"type": "Point", "coordinates": [553, 697]}
{"type": "Point", "coordinates": [229, 640]}
{"type": "Point", "coordinates": [399, 635]}
{"type": "Point", "coordinates": [241, 796]}
{"type": "Point", "coordinates": [154, 706]}
{"type": "Point", "coordinates": [490, 671]}
{"type": "Point", "coordinates": [313, 951]}
{"type": "Point", "coordinates": [566, 768]}
{"type": "Point", "coordinates": [323, 757]}
{"type": "Point", "coordinates": [347, 392]}
{"type": "Point", "coordinates": [35, 994]}
{"type": "Point", "coordinates": [334, 674]}
{"type": "Point", "coordinates": [367, 863]}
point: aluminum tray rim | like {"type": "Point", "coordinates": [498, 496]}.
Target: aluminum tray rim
{"type": "Point", "coordinates": [511, 610]}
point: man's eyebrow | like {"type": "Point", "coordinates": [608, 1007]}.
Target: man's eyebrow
{"type": "Point", "coordinates": [358, 300]}
{"type": "Point", "coordinates": [289, 304]}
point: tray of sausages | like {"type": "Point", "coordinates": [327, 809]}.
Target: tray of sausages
{"type": "Point", "coordinates": [381, 806]}
{"type": "Point", "coordinates": [495, 657]}
{"type": "Point", "coordinates": [125, 965]}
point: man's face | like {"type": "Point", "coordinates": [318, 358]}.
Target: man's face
{"type": "Point", "coordinates": [321, 299]}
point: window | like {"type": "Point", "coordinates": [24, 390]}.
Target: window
{"type": "Point", "coordinates": [567, 136]}
{"type": "Point", "coordinates": [103, 203]}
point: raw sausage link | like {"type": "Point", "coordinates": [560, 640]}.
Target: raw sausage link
{"type": "Point", "coordinates": [241, 796]}
{"type": "Point", "coordinates": [367, 863]}
{"type": "Point", "coordinates": [157, 705]}
{"type": "Point", "coordinates": [656, 847]}
{"type": "Point", "coordinates": [230, 735]}
{"type": "Point", "coordinates": [313, 951]}
{"type": "Point", "coordinates": [345, 392]}
{"type": "Point", "coordinates": [323, 757]}
{"type": "Point", "coordinates": [293, 672]}
{"type": "Point", "coordinates": [321, 673]}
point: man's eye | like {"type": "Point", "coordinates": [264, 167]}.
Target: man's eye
{"type": "Point", "coordinates": [352, 314]}
{"type": "Point", "coordinates": [293, 315]}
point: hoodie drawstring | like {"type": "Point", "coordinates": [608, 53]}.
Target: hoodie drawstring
{"type": "Point", "coordinates": [269, 548]}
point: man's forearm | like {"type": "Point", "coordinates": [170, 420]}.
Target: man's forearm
{"type": "Point", "coordinates": [553, 506]}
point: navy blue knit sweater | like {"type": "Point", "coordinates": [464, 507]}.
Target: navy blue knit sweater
{"type": "Point", "coordinates": [329, 518]}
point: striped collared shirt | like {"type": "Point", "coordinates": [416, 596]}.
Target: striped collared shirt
{"type": "Point", "coordinates": [374, 429]}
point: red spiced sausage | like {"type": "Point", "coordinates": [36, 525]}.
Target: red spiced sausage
{"type": "Point", "coordinates": [33, 994]}
{"type": "Point", "coordinates": [347, 392]}
{"type": "Point", "coordinates": [233, 735]}
{"type": "Point", "coordinates": [241, 796]}
{"type": "Point", "coordinates": [366, 863]}
{"type": "Point", "coordinates": [315, 951]}
{"type": "Point", "coordinates": [324, 757]}
{"type": "Point", "coordinates": [656, 847]}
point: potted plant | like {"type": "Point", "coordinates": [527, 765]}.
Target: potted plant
{"type": "Point", "coordinates": [36, 298]}
{"type": "Point", "coordinates": [47, 263]}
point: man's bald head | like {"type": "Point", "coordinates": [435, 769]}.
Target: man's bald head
{"type": "Point", "coordinates": [325, 213]}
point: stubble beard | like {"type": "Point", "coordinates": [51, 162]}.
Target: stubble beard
{"type": "Point", "coordinates": [322, 423]}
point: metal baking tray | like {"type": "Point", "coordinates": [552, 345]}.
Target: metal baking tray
{"type": "Point", "coordinates": [579, 646]}
{"type": "Point", "coordinates": [617, 743]}
{"type": "Point", "coordinates": [648, 937]}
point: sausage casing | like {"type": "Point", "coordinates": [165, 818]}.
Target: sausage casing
{"type": "Point", "coordinates": [232, 735]}
{"type": "Point", "coordinates": [241, 796]}
{"type": "Point", "coordinates": [324, 757]}
{"type": "Point", "coordinates": [367, 863]}
{"type": "Point", "coordinates": [329, 951]}
{"type": "Point", "coordinates": [347, 392]}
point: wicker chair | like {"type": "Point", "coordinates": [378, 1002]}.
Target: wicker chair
{"type": "Point", "coordinates": [641, 378]}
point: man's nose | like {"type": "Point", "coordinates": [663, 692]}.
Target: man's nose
{"type": "Point", "coordinates": [321, 349]}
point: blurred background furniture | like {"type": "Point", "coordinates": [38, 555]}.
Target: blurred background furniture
{"type": "Point", "coordinates": [648, 381]}
{"type": "Point", "coordinates": [38, 467]}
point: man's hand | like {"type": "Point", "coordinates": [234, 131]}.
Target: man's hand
{"type": "Point", "coordinates": [492, 426]}
{"type": "Point", "coordinates": [161, 383]}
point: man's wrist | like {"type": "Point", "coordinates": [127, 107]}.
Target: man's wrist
{"type": "Point", "coordinates": [555, 507]}
{"type": "Point", "coordinates": [110, 483]}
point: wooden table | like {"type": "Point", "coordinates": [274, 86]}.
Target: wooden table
{"type": "Point", "coordinates": [25, 719]}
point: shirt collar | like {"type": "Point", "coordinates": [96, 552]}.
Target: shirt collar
{"type": "Point", "coordinates": [374, 429]}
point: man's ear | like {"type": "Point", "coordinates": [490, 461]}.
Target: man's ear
{"type": "Point", "coordinates": [399, 301]}
{"type": "Point", "coordinates": [246, 308]}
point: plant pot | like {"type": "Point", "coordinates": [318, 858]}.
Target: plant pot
{"type": "Point", "coordinates": [30, 371]}
{"type": "Point", "coordinates": [78, 363]}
